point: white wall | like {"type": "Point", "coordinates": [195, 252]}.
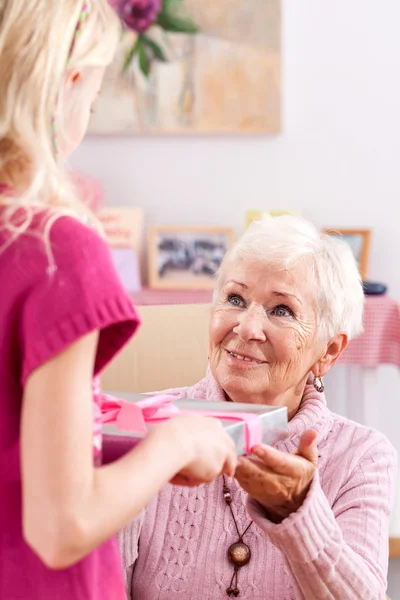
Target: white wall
{"type": "Point", "coordinates": [338, 158]}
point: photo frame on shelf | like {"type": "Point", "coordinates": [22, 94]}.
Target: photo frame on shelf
{"type": "Point", "coordinates": [186, 257]}
{"type": "Point", "coordinates": [123, 229]}
{"type": "Point", "coordinates": [255, 215]}
{"type": "Point", "coordinates": [359, 241]}
{"type": "Point", "coordinates": [123, 226]}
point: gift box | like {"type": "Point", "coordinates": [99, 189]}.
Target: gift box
{"type": "Point", "coordinates": [127, 419]}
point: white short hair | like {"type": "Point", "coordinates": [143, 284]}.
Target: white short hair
{"type": "Point", "coordinates": [285, 242]}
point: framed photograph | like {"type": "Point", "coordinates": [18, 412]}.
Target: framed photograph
{"type": "Point", "coordinates": [183, 257]}
{"type": "Point", "coordinates": [359, 242]}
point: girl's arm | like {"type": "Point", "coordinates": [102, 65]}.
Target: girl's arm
{"type": "Point", "coordinates": [69, 507]}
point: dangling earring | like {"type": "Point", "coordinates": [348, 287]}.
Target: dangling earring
{"type": "Point", "coordinates": [319, 384]}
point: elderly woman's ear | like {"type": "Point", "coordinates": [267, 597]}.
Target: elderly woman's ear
{"type": "Point", "coordinates": [332, 352]}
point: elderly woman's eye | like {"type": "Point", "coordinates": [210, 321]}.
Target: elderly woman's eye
{"type": "Point", "coordinates": [283, 311]}
{"type": "Point", "coordinates": [235, 300]}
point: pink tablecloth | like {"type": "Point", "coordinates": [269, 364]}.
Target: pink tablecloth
{"type": "Point", "coordinates": [379, 344]}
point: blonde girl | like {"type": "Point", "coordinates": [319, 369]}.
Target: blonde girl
{"type": "Point", "coordinates": [63, 316]}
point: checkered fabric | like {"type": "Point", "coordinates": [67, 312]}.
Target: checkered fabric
{"type": "Point", "coordinates": [380, 342]}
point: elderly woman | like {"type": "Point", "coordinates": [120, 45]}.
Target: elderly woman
{"type": "Point", "coordinates": [307, 518]}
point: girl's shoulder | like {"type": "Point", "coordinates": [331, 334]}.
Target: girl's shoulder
{"type": "Point", "coordinates": [42, 241]}
{"type": "Point", "coordinates": [29, 226]}
{"type": "Point", "coordinates": [61, 285]}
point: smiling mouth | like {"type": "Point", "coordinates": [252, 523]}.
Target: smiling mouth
{"type": "Point", "coordinates": [248, 359]}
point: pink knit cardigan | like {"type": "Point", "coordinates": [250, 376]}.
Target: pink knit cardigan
{"type": "Point", "coordinates": [334, 547]}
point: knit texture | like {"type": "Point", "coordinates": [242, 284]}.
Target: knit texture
{"type": "Point", "coordinates": [334, 547]}
{"type": "Point", "coordinates": [42, 311]}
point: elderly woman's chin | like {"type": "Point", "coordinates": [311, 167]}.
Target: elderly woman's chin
{"type": "Point", "coordinates": [243, 381]}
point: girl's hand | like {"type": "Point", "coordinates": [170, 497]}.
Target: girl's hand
{"type": "Point", "coordinates": [207, 450]}
{"type": "Point", "coordinates": [277, 480]}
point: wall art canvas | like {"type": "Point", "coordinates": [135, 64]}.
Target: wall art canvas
{"type": "Point", "coordinates": [225, 79]}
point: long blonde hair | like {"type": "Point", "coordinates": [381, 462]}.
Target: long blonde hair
{"type": "Point", "coordinates": [39, 40]}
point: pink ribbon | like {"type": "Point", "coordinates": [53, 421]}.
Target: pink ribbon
{"type": "Point", "coordinates": [5, 189]}
{"type": "Point", "coordinates": [135, 416]}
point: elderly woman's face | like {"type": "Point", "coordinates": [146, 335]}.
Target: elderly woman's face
{"type": "Point", "coordinates": [263, 334]}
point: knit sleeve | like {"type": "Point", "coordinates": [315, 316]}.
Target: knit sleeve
{"type": "Point", "coordinates": [74, 290]}
{"type": "Point", "coordinates": [128, 541]}
{"type": "Point", "coordinates": [340, 552]}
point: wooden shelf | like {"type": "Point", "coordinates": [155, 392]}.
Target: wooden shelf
{"type": "Point", "coordinates": [394, 547]}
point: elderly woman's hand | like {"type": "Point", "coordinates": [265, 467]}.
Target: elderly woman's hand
{"type": "Point", "coordinates": [277, 480]}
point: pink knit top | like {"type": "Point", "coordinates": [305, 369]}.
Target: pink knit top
{"type": "Point", "coordinates": [334, 547]}
{"type": "Point", "coordinates": [42, 312]}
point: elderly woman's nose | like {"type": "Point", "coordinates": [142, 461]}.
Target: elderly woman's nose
{"type": "Point", "coordinates": [251, 324]}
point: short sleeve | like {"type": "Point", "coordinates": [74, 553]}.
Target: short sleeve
{"type": "Point", "coordinates": [74, 290]}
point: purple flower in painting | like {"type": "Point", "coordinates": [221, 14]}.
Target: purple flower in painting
{"type": "Point", "coordinates": [137, 14]}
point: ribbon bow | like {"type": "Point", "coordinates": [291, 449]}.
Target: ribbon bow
{"type": "Point", "coordinates": [135, 416]}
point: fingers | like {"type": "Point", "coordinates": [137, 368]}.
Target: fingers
{"type": "Point", "coordinates": [184, 481]}
{"type": "Point", "coordinates": [307, 447]}
{"type": "Point", "coordinates": [180, 479]}
{"type": "Point", "coordinates": [232, 460]}
{"type": "Point", "coordinates": [248, 470]}
{"type": "Point", "coordinates": [214, 453]}
{"type": "Point", "coordinates": [230, 465]}
{"type": "Point", "coordinates": [277, 461]}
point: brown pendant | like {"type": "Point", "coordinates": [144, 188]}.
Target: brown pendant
{"type": "Point", "coordinates": [239, 554]}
